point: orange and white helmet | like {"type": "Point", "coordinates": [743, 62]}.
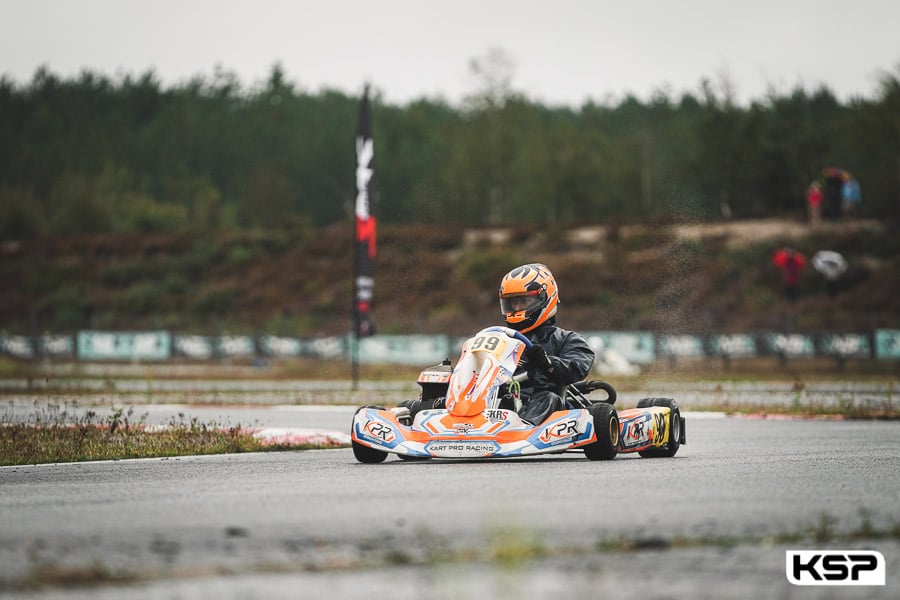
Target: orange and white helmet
{"type": "Point", "coordinates": [528, 297]}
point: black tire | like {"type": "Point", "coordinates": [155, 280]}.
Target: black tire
{"type": "Point", "coordinates": [369, 456]}
{"type": "Point", "coordinates": [606, 424]}
{"type": "Point", "coordinates": [674, 424]}
{"type": "Point", "coordinates": [586, 387]}
{"type": "Point", "coordinates": [647, 402]}
{"type": "Point", "coordinates": [365, 454]}
{"type": "Point", "coordinates": [413, 406]}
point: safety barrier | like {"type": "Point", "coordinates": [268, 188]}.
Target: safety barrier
{"type": "Point", "coordinates": [635, 347]}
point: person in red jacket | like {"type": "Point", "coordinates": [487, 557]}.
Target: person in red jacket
{"type": "Point", "coordinates": [791, 264]}
{"type": "Point", "coordinates": [814, 200]}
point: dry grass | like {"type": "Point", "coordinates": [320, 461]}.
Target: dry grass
{"type": "Point", "coordinates": [49, 435]}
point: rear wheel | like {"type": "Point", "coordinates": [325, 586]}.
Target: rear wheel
{"type": "Point", "coordinates": [673, 423]}
{"type": "Point", "coordinates": [363, 453]}
{"type": "Point", "coordinates": [606, 424]}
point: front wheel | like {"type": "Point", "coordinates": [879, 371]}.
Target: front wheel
{"type": "Point", "coordinates": [367, 455]}
{"type": "Point", "coordinates": [606, 424]}
{"type": "Point", "coordinates": [363, 453]}
{"type": "Point", "coordinates": [674, 423]}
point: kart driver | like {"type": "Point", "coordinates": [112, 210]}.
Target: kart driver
{"type": "Point", "coordinates": [528, 301]}
{"type": "Point", "coordinates": [529, 298]}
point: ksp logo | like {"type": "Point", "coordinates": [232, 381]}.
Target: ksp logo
{"type": "Point", "coordinates": [835, 567]}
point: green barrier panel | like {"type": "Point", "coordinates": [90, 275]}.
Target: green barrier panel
{"type": "Point", "coordinates": [327, 348]}
{"type": "Point", "coordinates": [135, 346]}
{"type": "Point", "coordinates": [193, 346]}
{"type": "Point", "coordinates": [680, 346]}
{"type": "Point", "coordinates": [887, 344]}
{"type": "Point", "coordinates": [56, 345]}
{"type": "Point", "coordinates": [404, 349]}
{"type": "Point", "coordinates": [848, 345]}
{"type": "Point", "coordinates": [19, 346]}
{"type": "Point", "coordinates": [279, 346]}
{"type": "Point", "coordinates": [636, 347]}
{"type": "Point", "coordinates": [737, 345]}
{"type": "Point", "coordinates": [235, 346]}
{"type": "Point", "coordinates": [791, 345]}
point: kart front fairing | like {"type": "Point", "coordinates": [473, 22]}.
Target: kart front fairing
{"type": "Point", "coordinates": [486, 362]}
{"type": "Point", "coordinates": [473, 425]}
{"type": "Point", "coordinates": [492, 433]}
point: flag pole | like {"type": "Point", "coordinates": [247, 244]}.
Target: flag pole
{"type": "Point", "coordinates": [364, 234]}
{"type": "Point", "coordinates": [357, 319]}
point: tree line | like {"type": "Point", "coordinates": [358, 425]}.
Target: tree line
{"type": "Point", "coordinates": [95, 154]}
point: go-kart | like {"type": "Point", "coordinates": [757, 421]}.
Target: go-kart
{"type": "Point", "coordinates": [478, 417]}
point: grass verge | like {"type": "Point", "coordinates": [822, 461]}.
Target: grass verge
{"type": "Point", "coordinates": [49, 435]}
{"type": "Point", "coordinates": [511, 549]}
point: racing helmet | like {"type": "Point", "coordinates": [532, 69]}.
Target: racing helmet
{"type": "Point", "coordinates": [528, 297]}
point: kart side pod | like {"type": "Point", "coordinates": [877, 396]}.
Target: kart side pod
{"type": "Point", "coordinates": [653, 429]}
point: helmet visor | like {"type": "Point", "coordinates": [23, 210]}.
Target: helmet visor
{"type": "Point", "coordinates": [513, 303]}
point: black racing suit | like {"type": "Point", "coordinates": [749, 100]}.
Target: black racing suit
{"type": "Point", "coordinates": [571, 358]}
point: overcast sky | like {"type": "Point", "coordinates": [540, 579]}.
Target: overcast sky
{"type": "Point", "coordinates": [563, 51]}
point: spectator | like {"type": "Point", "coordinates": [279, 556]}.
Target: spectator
{"type": "Point", "coordinates": [814, 202]}
{"type": "Point", "coordinates": [832, 265]}
{"type": "Point", "coordinates": [850, 197]}
{"type": "Point", "coordinates": [791, 264]}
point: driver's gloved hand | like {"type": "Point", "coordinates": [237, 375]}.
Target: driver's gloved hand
{"type": "Point", "coordinates": [538, 359]}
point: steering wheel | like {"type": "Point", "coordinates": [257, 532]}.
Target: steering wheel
{"type": "Point", "coordinates": [519, 336]}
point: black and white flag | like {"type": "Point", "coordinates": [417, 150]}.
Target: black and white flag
{"type": "Point", "coordinates": [365, 221]}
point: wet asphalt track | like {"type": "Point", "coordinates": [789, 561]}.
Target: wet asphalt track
{"type": "Point", "coordinates": [318, 524]}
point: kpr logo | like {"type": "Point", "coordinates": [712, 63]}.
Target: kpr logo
{"type": "Point", "coordinates": [835, 567]}
{"type": "Point", "coordinates": [561, 430]}
{"type": "Point", "coordinates": [378, 430]}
